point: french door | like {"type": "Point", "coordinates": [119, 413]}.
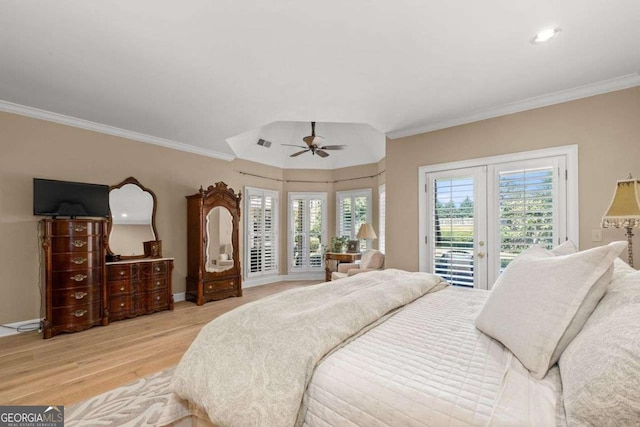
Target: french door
{"type": "Point", "coordinates": [478, 218]}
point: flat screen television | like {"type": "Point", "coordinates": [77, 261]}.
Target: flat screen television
{"type": "Point", "coordinates": [69, 199]}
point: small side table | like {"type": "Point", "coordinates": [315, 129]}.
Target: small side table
{"type": "Point", "coordinates": [338, 257]}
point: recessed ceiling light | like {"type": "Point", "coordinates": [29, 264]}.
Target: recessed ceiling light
{"type": "Point", "coordinates": [545, 35]}
{"type": "Point", "coordinates": [124, 215]}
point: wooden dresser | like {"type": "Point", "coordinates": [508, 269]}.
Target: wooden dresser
{"type": "Point", "coordinates": [138, 287]}
{"type": "Point", "coordinates": [75, 291]}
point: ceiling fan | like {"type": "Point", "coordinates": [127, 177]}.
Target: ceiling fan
{"type": "Point", "coordinates": [314, 144]}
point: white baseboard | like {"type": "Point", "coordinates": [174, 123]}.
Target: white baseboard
{"type": "Point", "coordinates": [5, 332]}
{"type": "Point", "coordinates": [259, 281]}
{"type": "Point", "coordinates": [304, 276]}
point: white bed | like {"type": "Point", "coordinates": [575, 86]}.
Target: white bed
{"type": "Point", "coordinates": [424, 364]}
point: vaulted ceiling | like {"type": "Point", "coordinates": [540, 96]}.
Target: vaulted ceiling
{"type": "Point", "coordinates": [212, 77]}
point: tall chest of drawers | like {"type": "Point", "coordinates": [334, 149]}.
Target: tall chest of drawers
{"type": "Point", "coordinates": [138, 287]}
{"type": "Point", "coordinates": [75, 290]}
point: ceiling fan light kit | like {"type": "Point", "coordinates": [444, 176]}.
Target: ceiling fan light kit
{"type": "Point", "coordinates": [314, 142]}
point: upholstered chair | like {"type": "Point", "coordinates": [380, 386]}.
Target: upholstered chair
{"type": "Point", "coordinates": [371, 260]}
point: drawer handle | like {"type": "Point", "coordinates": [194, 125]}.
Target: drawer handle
{"type": "Point", "coordinates": [79, 295]}
{"type": "Point", "coordinates": [210, 286]}
{"type": "Point", "coordinates": [78, 243]}
{"type": "Point", "coordinates": [79, 228]}
{"type": "Point", "coordinates": [157, 284]}
{"type": "Point", "coordinates": [79, 313]}
{"type": "Point", "coordinates": [121, 304]}
{"type": "Point", "coordinates": [79, 277]}
{"type": "Point", "coordinates": [122, 288]}
{"type": "Point", "coordinates": [157, 268]}
{"type": "Point", "coordinates": [122, 273]}
{"type": "Point", "coordinates": [78, 260]}
{"type": "Point", "coordinates": [158, 298]}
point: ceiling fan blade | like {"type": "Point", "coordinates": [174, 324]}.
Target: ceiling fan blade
{"type": "Point", "coordinates": [290, 145]}
{"type": "Point", "coordinates": [321, 153]}
{"type": "Point", "coordinates": [333, 147]}
{"type": "Point", "coordinates": [299, 152]}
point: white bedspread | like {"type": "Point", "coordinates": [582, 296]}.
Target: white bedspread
{"type": "Point", "coordinates": [428, 366]}
{"type": "Point", "coordinates": [250, 366]}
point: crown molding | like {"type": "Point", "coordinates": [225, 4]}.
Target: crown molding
{"type": "Point", "coordinates": [23, 110]}
{"type": "Point", "coordinates": [618, 83]}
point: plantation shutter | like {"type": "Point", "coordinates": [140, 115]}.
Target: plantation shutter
{"type": "Point", "coordinates": [527, 202]}
{"type": "Point", "coordinates": [261, 256]}
{"type": "Point", "coordinates": [306, 231]}
{"type": "Point", "coordinates": [354, 209]}
{"type": "Point", "coordinates": [453, 229]}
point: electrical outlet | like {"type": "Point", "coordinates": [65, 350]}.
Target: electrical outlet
{"type": "Point", "coordinates": [596, 235]}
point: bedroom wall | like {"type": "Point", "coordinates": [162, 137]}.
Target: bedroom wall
{"type": "Point", "coordinates": [606, 129]}
{"type": "Point", "coordinates": [36, 148]}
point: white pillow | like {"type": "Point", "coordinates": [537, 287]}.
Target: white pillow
{"type": "Point", "coordinates": [541, 301]}
{"type": "Point", "coordinates": [600, 369]}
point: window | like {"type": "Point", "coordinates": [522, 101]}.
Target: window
{"type": "Point", "coordinates": [261, 232]}
{"type": "Point", "coordinates": [382, 211]}
{"type": "Point", "coordinates": [353, 210]}
{"type": "Point", "coordinates": [307, 231]}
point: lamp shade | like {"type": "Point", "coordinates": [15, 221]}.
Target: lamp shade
{"type": "Point", "coordinates": [624, 210]}
{"type": "Point", "coordinates": [366, 232]}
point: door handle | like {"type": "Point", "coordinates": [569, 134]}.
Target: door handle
{"type": "Point", "coordinates": [481, 254]}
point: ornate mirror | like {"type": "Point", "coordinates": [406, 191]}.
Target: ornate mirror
{"type": "Point", "coordinates": [133, 219]}
{"type": "Point", "coordinates": [219, 250]}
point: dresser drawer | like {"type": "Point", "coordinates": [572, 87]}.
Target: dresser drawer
{"type": "Point", "coordinates": [77, 261]}
{"type": "Point", "coordinates": [76, 315]}
{"type": "Point", "coordinates": [76, 228]}
{"type": "Point", "coordinates": [155, 283]}
{"type": "Point", "coordinates": [75, 296]}
{"type": "Point", "coordinates": [75, 244]}
{"type": "Point", "coordinates": [76, 278]}
{"type": "Point", "coordinates": [118, 272]}
{"type": "Point", "coordinates": [223, 285]}
{"type": "Point", "coordinates": [119, 287]}
{"type": "Point", "coordinates": [158, 268]}
{"type": "Point", "coordinates": [119, 304]}
{"type": "Point", "coordinates": [157, 300]}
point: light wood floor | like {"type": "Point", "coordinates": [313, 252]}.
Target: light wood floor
{"type": "Point", "coordinates": [72, 367]}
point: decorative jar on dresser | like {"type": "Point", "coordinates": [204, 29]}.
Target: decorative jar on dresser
{"type": "Point", "coordinates": [75, 290]}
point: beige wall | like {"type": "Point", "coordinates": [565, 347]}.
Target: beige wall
{"type": "Point", "coordinates": [35, 148]}
{"type": "Point", "coordinates": [606, 129]}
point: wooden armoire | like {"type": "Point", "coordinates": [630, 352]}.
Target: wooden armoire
{"type": "Point", "coordinates": [213, 252]}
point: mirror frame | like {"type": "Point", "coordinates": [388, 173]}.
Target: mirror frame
{"type": "Point", "coordinates": [132, 180]}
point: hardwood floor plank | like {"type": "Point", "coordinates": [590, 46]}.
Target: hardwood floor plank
{"type": "Point", "coordinates": [69, 368]}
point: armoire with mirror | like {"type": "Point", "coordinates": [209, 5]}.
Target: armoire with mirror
{"type": "Point", "coordinates": [213, 255]}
